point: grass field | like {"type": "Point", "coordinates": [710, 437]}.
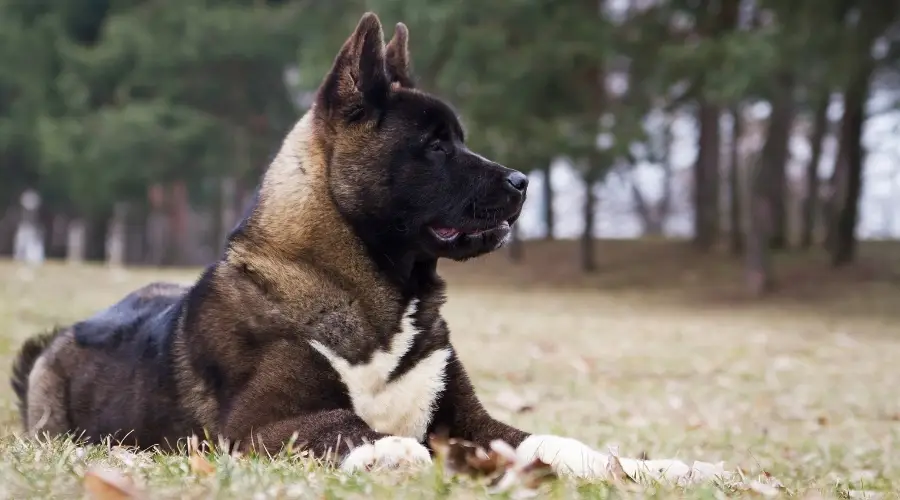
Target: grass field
{"type": "Point", "coordinates": [658, 354]}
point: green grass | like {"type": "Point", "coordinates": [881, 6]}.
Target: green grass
{"type": "Point", "coordinates": [806, 392]}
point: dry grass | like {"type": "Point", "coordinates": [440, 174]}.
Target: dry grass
{"type": "Point", "coordinates": [805, 391]}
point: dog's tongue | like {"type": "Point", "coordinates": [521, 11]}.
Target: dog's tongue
{"type": "Point", "coordinates": [446, 232]}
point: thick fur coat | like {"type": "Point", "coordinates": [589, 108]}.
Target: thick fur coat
{"type": "Point", "coordinates": [321, 323]}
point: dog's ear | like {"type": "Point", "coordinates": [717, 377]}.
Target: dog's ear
{"type": "Point", "coordinates": [357, 85]}
{"type": "Point", "coordinates": [397, 56]}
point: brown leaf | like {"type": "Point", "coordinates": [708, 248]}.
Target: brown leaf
{"type": "Point", "coordinates": [536, 473]}
{"type": "Point", "coordinates": [500, 466]}
{"type": "Point", "coordinates": [503, 448]}
{"type": "Point", "coordinates": [764, 489]}
{"type": "Point", "coordinates": [198, 463]}
{"type": "Point", "coordinates": [107, 484]}
{"type": "Point", "coordinates": [772, 480]}
{"type": "Point", "coordinates": [616, 472]}
{"type": "Point", "coordinates": [464, 457]}
{"type": "Point", "coordinates": [201, 466]}
{"type": "Point", "coordinates": [514, 402]}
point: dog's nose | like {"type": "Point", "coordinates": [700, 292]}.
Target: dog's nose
{"type": "Point", "coordinates": [517, 180]}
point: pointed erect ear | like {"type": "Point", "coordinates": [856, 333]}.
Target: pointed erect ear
{"type": "Point", "coordinates": [357, 84]}
{"type": "Point", "coordinates": [397, 55]}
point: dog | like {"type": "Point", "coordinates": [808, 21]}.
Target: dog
{"type": "Point", "coordinates": [320, 325]}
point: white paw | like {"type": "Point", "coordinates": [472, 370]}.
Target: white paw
{"type": "Point", "coordinates": [571, 457]}
{"type": "Point", "coordinates": [566, 456]}
{"type": "Point", "coordinates": [388, 452]}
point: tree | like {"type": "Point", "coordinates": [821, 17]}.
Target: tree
{"type": "Point", "coordinates": [810, 202]}
{"type": "Point", "coordinates": [775, 153]}
{"type": "Point", "coordinates": [759, 272]}
{"type": "Point", "coordinates": [873, 18]}
{"type": "Point", "coordinates": [735, 197]}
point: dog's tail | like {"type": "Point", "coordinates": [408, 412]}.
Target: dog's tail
{"type": "Point", "coordinates": [28, 354]}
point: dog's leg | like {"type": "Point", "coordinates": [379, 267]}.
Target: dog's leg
{"type": "Point", "coordinates": [339, 434]}
{"type": "Point", "coordinates": [46, 410]}
{"type": "Point", "coordinates": [462, 414]}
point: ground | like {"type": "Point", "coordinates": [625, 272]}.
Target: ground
{"type": "Point", "coordinates": [658, 353]}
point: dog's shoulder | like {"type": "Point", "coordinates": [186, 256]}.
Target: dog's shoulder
{"type": "Point", "coordinates": [149, 309]}
{"type": "Point", "coordinates": [249, 300]}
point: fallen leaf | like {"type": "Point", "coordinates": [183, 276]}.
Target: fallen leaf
{"type": "Point", "coordinates": [706, 471]}
{"type": "Point", "coordinates": [862, 476]}
{"type": "Point", "coordinates": [503, 449]}
{"type": "Point", "coordinates": [108, 484]}
{"type": "Point", "coordinates": [462, 457]}
{"type": "Point", "coordinates": [198, 463]}
{"type": "Point", "coordinates": [616, 472]}
{"type": "Point", "coordinates": [581, 365]}
{"type": "Point", "coordinates": [763, 489]}
{"type": "Point", "coordinates": [864, 494]}
{"type": "Point", "coordinates": [500, 467]}
{"type": "Point", "coordinates": [772, 480]}
{"type": "Point", "coordinates": [514, 402]}
{"type": "Point", "coordinates": [201, 466]}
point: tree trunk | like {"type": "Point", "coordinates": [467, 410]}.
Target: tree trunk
{"type": "Point", "coordinates": [136, 234]}
{"type": "Point", "coordinates": [759, 273]}
{"type": "Point", "coordinates": [651, 216]}
{"type": "Point", "coordinates": [549, 213]}
{"type": "Point", "coordinates": [8, 221]}
{"type": "Point", "coordinates": [762, 199]}
{"type": "Point", "coordinates": [516, 251]}
{"type": "Point", "coordinates": [115, 235]}
{"type": "Point", "coordinates": [226, 209]}
{"type": "Point", "coordinates": [846, 208]}
{"type": "Point", "coordinates": [179, 210]}
{"type": "Point", "coordinates": [706, 178]}
{"type": "Point", "coordinates": [75, 241]}
{"type": "Point", "coordinates": [95, 244]}
{"type": "Point", "coordinates": [588, 263]}
{"type": "Point", "coordinates": [54, 224]}
{"type": "Point", "coordinates": [836, 186]}
{"type": "Point", "coordinates": [874, 19]}
{"type": "Point", "coordinates": [810, 203]}
{"type": "Point", "coordinates": [734, 184]}
{"type": "Point", "coordinates": [776, 154]}
{"type": "Point", "coordinates": [716, 24]}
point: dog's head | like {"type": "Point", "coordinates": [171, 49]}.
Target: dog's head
{"type": "Point", "coordinates": [398, 168]}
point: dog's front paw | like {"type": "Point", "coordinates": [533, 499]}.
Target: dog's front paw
{"type": "Point", "coordinates": [566, 456]}
{"type": "Point", "coordinates": [390, 452]}
{"type": "Point", "coordinates": [571, 457]}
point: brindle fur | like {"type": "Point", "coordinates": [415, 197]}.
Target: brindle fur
{"type": "Point", "coordinates": [334, 250]}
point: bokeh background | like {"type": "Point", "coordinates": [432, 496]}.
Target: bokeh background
{"type": "Point", "coordinates": [707, 266]}
{"type": "Point", "coordinates": [751, 128]}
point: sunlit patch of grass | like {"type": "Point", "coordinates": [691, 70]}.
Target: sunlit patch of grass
{"type": "Point", "coordinates": [805, 394]}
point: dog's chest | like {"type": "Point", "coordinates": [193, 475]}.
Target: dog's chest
{"type": "Point", "coordinates": [404, 405]}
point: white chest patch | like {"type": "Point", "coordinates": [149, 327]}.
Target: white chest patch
{"type": "Point", "coordinates": [403, 406]}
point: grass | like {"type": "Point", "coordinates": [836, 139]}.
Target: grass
{"type": "Point", "coordinates": [802, 386]}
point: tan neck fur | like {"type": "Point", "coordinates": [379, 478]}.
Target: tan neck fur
{"type": "Point", "coordinates": [297, 223]}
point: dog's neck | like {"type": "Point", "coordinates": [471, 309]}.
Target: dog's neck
{"type": "Point", "coordinates": [296, 220]}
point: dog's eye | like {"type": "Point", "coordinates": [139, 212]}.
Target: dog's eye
{"type": "Point", "coordinates": [437, 147]}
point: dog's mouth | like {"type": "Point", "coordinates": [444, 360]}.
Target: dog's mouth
{"type": "Point", "coordinates": [449, 234]}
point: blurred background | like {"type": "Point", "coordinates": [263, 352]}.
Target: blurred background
{"type": "Point", "coordinates": [750, 141]}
